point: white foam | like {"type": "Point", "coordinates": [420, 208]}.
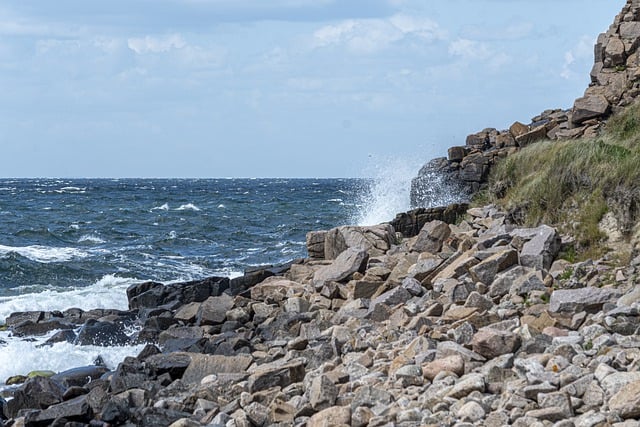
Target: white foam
{"type": "Point", "coordinates": [91, 238]}
{"type": "Point", "coordinates": [335, 200]}
{"type": "Point", "coordinates": [164, 207]}
{"type": "Point", "coordinates": [19, 357]}
{"type": "Point", "coordinates": [389, 193]}
{"type": "Point", "coordinates": [45, 254]}
{"type": "Point", "coordinates": [108, 292]}
{"type": "Point", "coordinates": [188, 207]}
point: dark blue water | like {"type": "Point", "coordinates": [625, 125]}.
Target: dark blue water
{"type": "Point", "coordinates": [57, 234]}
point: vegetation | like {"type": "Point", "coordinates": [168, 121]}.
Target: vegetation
{"type": "Point", "coordinates": [570, 183]}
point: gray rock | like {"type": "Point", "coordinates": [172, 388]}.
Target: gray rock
{"type": "Point", "coordinates": [626, 402]}
{"type": "Point", "coordinates": [491, 343]}
{"type": "Point", "coordinates": [276, 375]}
{"type": "Point", "coordinates": [375, 240]}
{"type": "Point", "coordinates": [572, 301]}
{"type": "Point", "coordinates": [486, 270]}
{"type": "Point", "coordinates": [431, 237]}
{"type": "Point", "coordinates": [322, 393]}
{"type": "Point", "coordinates": [589, 107]}
{"type": "Point", "coordinates": [77, 409]}
{"type": "Point", "coordinates": [527, 283]}
{"type": "Point", "coordinates": [467, 384]}
{"type": "Point", "coordinates": [347, 263]}
{"type": "Point", "coordinates": [541, 250]}
{"type": "Point", "coordinates": [213, 311]}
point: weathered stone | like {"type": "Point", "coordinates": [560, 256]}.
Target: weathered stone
{"type": "Point", "coordinates": [615, 52]}
{"type": "Point", "coordinates": [315, 244]}
{"type": "Point", "coordinates": [275, 289]}
{"type": "Point", "coordinates": [36, 393]}
{"type": "Point", "coordinates": [334, 416]}
{"type": "Point", "coordinates": [626, 402]}
{"type": "Point", "coordinates": [213, 310]}
{"type": "Point", "coordinates": [322, 393]}
{"type": "Point", "coordinates": [276, 375]}
{"type": "Point", "coordinates": [491, 343]}
{"type": "Point", "coordinates": [76, 409]}
{"type": "Point", "coordinates": [467, 384]}
{"type": "Point", "coordinates": [541, 250]}
{"type": "Point", "coordinates": [431, 237]}
{"type": "Point", "coordinates": [454, 363]}
{"type": "Point", "coordinates": [534, 135]}
{"type": "Point", "coordinates": [590, 299]}
{"type": "Point", "coordinates": [486, 270]}
{"type": "Point", "coordinates": [589, 107]}
{"type": "Point", "coordinates": [347, 263]}
{"type": "Point", "coordinates": [202, 365]}
{"type": "Point", "coordinates": [456, 154]}
{"type": "Point", "coordinates": [375, 240]}
{"type": "Point", "coordinates": [517, 129]}
{"type": "Point", "coordinates": [471, 412]}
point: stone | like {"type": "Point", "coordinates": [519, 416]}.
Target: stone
{"type": "Point", "coordinates": [333, 416]}
{"type": "Point", "coordinates": [626, 402]}
{"type": "Point", "coordinates": [615, 52]}
{"type": "Point", "coordinates": [541, 250]}
{"type": "Point", "coordinates": [454, 363]}
{"type": "Point", "coordinates": [275, 289]}
{"type": "Point", "coordinates": [213, 311]}
{"type": "Point", "coordinates": [315, 244]}
{"type": "Point", "coordinates": [490, 343]}
{"type": "Point", "coordinates": [517, 129]}
{"type": "Point", "coordinates": [486, 270]}
{"type": "Point", "coordinates": [456, 154]}
{"type": "Point", "coordinates": [527, 283]}
{"type": "Point", "coordinates": [35, 393]}
{"type": "Point", "coordinates": [589, 107]}
{"type": "Point", "coordinates": [471, 412]}
{"type": "Point", "coordinates": [77, 409]}
{"type": "Point", "coordinates": [322, 393]}
{"type": "Point", "coordinates": [572, 301]}
{"type": "Point", "coordinates": [104, 334]}
{"type": "Point", "coordinates": [370, 397]}
{"type": "Point", "coordinates": [375, 240]}
{"type": "Point", "coordinates": [348, 262]}
{"type": "Point", "coordinates": [534, 135]}
{"type": "Point", "coordinates": [202, 365]}
{"type": "Point", "coordinates": [277, 375]}
{"type": "Point", "coordinates": [431, 237]}
{"type": "Point", "coordinates": [466, 385]}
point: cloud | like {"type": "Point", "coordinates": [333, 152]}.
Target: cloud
{"type": "Point", "coordinates": [371, 35]}
{"type": "Point", "coordinates": [469, 49]}
{"type": "Point", "coordinates": [580, 54]}
{"type": "Point", "coordinates": [150, 44]}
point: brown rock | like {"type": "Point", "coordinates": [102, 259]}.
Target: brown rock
{"type": "Point", "coordinates": [331, 417]}
{"type": "Point", "coordinates": [492, 343]}
{"type": "Point", "coordinates": [626, 402]}
{"type": "Point", "coordinates": [518, 129]}
{"type": "Point", "coordinates": [453, 364]}
{"type": "Point", "coordinates": [589, 107]}
{"type": "Point", "coordinates": [431, 237]}
{"type": "Point", "coordinates": [534, 135]}
{"type": "Point", "coordinates": [615, 52]}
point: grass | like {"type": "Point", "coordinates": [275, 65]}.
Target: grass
{"type": "Point", "coordinates": [570, 184]}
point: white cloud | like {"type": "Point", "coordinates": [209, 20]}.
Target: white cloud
{"type": "Point", "coordinates": [580, 54]}
{"type": "Point", "coordinates": [469, 49]}
{"type": "Point", "coordinates": [371, 35]}
{"type": "Point", "coordinates": [150, 44]}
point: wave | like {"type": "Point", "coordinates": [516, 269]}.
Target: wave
{"type": "Point", "coordinates": [188, 207]}
{"type": "Point", "coordinates": [164, 207]}
{"type": "Point", "coordinates": [44, 254]}
{"type": "Point", "coordinates": [91, 238]}
{"type": "Point", "coordinates": [108, 292]}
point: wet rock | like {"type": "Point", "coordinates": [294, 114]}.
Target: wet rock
{"type": "Point", "coordinates": [36, 393]}
{"type": "Point", "coordinates": [79, 376]}
{"type": "Point", "coordinates": [104, 334]}
{"type": "Point", "coordinates": [76, 409]}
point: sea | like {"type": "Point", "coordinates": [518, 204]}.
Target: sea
{"type": "Point", "coordinates": [81, 242]}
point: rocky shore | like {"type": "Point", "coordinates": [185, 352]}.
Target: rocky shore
{"type": "Point", "coordinates": [472, 323]}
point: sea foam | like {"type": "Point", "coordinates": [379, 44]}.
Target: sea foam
{"type": "Point", "coordinates": [45, 254]}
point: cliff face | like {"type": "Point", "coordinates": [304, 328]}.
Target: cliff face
{"type": "Point", "coordinates": [615, 84]}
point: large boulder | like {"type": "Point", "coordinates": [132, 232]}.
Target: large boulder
{"type": "Point", "coordinates": [347, 263]}
{"type": "Point", "coordinates": [376, 240]}
{"type": "Point", "coordinates": [572, 301]}
{"type": "Point", "coordinates": [36, 393]}
{"type": "Point", "coordinates": [431, 237]}
{"type": "Point", "coordinates": [105, 334]}
{"type": "Point", "coordinates": [589, 107]}
{"type": "Point", "coordinates": [541, 250]}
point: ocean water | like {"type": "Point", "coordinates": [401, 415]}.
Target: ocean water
{"type": "Point", "coordinates": [81, 242]}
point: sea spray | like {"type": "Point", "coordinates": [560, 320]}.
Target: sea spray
{"type": "Point", "coordinates": [388, 191]}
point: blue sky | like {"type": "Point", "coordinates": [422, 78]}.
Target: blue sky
{"type": "Point", "coordinates": [278, 88]}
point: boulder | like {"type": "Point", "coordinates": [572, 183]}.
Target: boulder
{"type": "Point", "coordinates": [431, 237]}
{"type": "Point", "coordinates": [347, 263]}
{"type": "Point", "coordinates": [615, 52]}
{"type": "Point", "coordinates": [315, 244]}
{"type": "Point", "coordinates": [76, 409]}
{"type": "Point", "coordinates": [626, 402]}
{"type": "Point", "coordinates": [517, 129]}
{"type": "Point", "coordinates": [453, 363]}
{"type": "Point", "coordinates": [333, 416]}
{"type": "Point", "coordinates": [376, 240]}
{"type": "Point", "coordinates": [275, 289]}
{"type": "Point", "coordinates": [99, 333]}
{"type": "Point", "coordinates": [486, 270]}
{"type": "Point", "coordinates": [202, 365]}
{"type": "Point", "coordinates": [589, 107]}
{"type": "Point", "coordinates": [213, 310]}
{"type": "Point", "coordinates": [36, 393]}
{"type": "Point", "coordinates": [541, 250]}
{"type": "Point", "coordinates": [490, 343]}
{"type": "Point", "coordinates": [322, 393]}
{"type": "Point", "coordinates": [572, 301]}
{"type": "Point", "coordinates": [275, 375]}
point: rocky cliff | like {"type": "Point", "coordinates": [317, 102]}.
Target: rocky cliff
{"type": "Point", "coordinates": [615, 84]}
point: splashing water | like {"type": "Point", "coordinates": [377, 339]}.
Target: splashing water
{"type": "Point", "coordinates": [388, 192]}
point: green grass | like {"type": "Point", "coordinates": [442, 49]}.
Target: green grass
{"type": "Point", "coordinates": [569, 184]}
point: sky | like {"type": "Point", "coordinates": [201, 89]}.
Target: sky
{"type": "Point", "coordinates": [277, 88]}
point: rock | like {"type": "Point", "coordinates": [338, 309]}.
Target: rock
{"type": "Point", "coordinates": [368, 396]}
{"type": "Point", "coordinates": [590, 299]}
{"type": "Point", "coordinates": [276, 375]}
{"type": "Point", "coordinates": [275, 289]}
{"type": "Point", "coordinates": [454, 363]}
{"type": "Point", "coordinates": [213, 311]}
{"type": "Point", "coordinates": [626, 402]}
{"type": "Point", "coordinates": [410, 223]}
{"type": "Point", "coordinates": [486, 270]}
{"type": "Point", "coordinates": [36, 393]}
{"type": "Point", "coordinates": [471, 412]}
{"type": "Point", "coordinates": [334, 416]}
{"type": "Point", "coordinates": [541, 250]}
{"type": "Point", "coordinates": [315, 244]}
{"type": "Point", "coordinates": [466, 385]}
{"type": "Point", "coordinates": [202, 365]}
{"type": "Point", "coordinates": [431, 237]}
{"type": "Point", "coordinates": [347, 263]}
{"type": "Point", "coordinates": [534, 135]}
{"type": "Point", "coordinates": [615, 52]}
{"type": "Point", "coordinates": [375, 240]}
{"type": "Point", "coordinates": [79, 376]}
{"type": "Point", "coordinates": [29, 328]}
{"type": "Point", "coordinates": [104, 334]}
{"type": "Point", "coordinates": [76, 409]}
{"type": "Point", "coordinates": [517, 129]}
{"type": "Point", "coordinates": [492, 343]}
{"type": "Point", "coordinates": [589, 107]}
{"type": "Point", "coordinates": [322, 393]}
{"type": "Point", "coordinates": [456, 154]}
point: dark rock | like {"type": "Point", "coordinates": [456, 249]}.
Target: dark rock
{"type": "Point", "coordinates": [438, 184]}
{"type": "Point", "coordinates": [24, 316]}
{"type": "Point", "coordinates": [147, 294]}
{"type": "Point", "coordinates": [76, 409]}
{"type": "Point", "coordinates": [104, 334]}
{"type": "Point", "coordinates": [129, 374]}
{"type": "Point", "coordinates": [147, 351]}
{"type": "Point", "coordinates": [36, 393]}
{"type": "Point", "coordinates": [255, 275]}
{"type": "Point", "coordinates": [213, 310]}
{"type": "Point", "coordinates": [29, 328]}
{"type": "Point", "coordinates": [265, 377]}
{"type": "Point", "coordinates": [116, 411]}
{"type": "Point", "coordinates": [73, 392]}
{"type": "Point", "coordinates": [192, 345]}
{"type": "Point", "coordinates": [410, 223]}
{"type": "Point", "coordinates": [173, 363]}
{"type": "Point", "coordinates": [66, 335]}
{"type": "Point", "coordinates": [79, 376]}
{"type": "Point", "coordinates": [154, 417]}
